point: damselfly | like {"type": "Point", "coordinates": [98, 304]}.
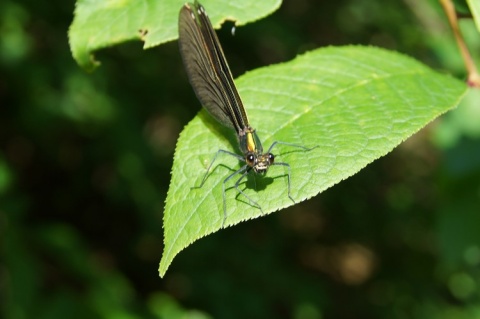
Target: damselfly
{"type": "Point", "coordinates": [212, 81]}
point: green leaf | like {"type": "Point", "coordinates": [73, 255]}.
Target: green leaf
{"type": "Point", "coordinates": [355, 103]}
{"type": "Point", "coordinates": [474, 6]}
{"type": "Point", "coordinates": [99, 24]}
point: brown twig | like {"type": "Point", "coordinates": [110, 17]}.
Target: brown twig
{"type": "Point", "coordinates": [473, 75]}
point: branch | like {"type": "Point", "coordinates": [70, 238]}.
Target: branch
{"type": "Point", "coordinates": [473, 75]}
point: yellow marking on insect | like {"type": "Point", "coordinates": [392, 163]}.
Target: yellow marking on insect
{"type": "Point", "coordinates": [251, 146]}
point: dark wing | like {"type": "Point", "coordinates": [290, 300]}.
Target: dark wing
{"type": "Point", "coordinates": [207, 67]}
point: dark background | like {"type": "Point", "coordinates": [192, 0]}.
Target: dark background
{"type": "Point", "coordinates": [85, 165]}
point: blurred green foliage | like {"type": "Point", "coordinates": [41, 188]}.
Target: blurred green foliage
{"type": "Point", "coordinates": [85, 163]}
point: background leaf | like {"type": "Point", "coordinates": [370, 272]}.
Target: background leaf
{"type": "Point", "coordinates": [355, 103]}
{"type": "Point", "coordinates": [100, 24]}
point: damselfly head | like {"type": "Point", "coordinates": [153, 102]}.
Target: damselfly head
{"type": "Point", "coordinates": [259, 162]}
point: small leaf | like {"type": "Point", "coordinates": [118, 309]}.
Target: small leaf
{"type": "Point", "coordinates": [99, 24]}
{"type": "Point", "coordinates": [355, 103]}
{"type": "Point", "coordinates": [474, 6]}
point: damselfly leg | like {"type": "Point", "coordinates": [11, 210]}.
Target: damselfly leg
{"type": "Point", "coordinates": [244, 171]}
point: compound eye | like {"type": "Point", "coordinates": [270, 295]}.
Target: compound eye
{"type": "Point", "coordinates": [250, 158]}
{"type": "Point", "coordinates": [271, 158]}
